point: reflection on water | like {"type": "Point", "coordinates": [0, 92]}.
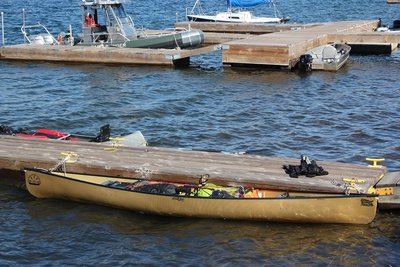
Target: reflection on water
{"type": "Point", "coordinates": [127, 237]}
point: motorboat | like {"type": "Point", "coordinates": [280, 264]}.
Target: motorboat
{"type": "Point", "coordinates": [105, 23]}
{"type": "Point", "coordinates": [235, 14]}
{"type": "Point", "coordinates": [135, 139]}
{"type": "Point", "coordinates": [202, 199]}
{"type": "Point", "coordinates": [330, 57]}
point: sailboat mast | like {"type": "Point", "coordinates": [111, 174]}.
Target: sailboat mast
{"type": "Point", "coordinates": [194, 6]}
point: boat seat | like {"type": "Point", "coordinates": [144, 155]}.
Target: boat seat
{"type": "Point", "coordinates": [100, 28]}
{"type": "Point", "coordinates": [97, 32]}
{"type": "Point", "coordinates": [329, 52]}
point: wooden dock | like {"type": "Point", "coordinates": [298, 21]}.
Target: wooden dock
{"type": "Point", "coordinates": [282, 45]}
{"type": "Point", "coordinates": [283, 49]}
{"type": "Point", "coordinates": [242, 44]}
{"type": "Point", "coordinates": [389, 189]}
{"type": "Point", "coordinates": [178, 165]}
{"type": "Point", "coordinates": [242, 28]}
{"type": "Point", "coordinates": [104, 55]}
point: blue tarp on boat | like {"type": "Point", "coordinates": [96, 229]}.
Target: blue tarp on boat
{"type": "Point", "coordinates": [245, 3]}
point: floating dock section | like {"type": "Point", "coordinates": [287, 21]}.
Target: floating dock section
{"type": "Point", "coordinates": [282, 45]}
{"type": "Point", "coordinates": [283, 49]}
{"type": "Point", "coordinates": [17, 153]}
{"type": "Point", "coordinates": [104, 55]}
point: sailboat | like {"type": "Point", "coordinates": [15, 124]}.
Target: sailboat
{"type": "Point", "coordinates": [235, 14]}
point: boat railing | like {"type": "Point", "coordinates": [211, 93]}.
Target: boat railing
{"type": "Point", "coordinates": [165, 31]}
{"type": "Point", "coordinates": [173, 30]}
{"type": "Point", "coordinates": [2, 29]}
{"type": "Point", "coordinates": [110, 40]}
{"type": "Point", "coordinates": [37, 26]}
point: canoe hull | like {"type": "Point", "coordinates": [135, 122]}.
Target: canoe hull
{"type": "Point", "coordinates": [322, 209]}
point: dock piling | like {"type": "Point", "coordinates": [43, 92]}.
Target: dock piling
{"type": "Point", "coordinates": [2, 28]}
{"type": "Point", "coordinates": [23, 23]}
{"type": "Point", "coordinates": [70, 35]}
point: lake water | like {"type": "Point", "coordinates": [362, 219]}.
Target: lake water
{"type": "Point", "coordinates": [344, 116]}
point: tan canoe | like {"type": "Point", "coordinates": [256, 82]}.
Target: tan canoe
{"type": "Point", "coordinates": [315, 208]}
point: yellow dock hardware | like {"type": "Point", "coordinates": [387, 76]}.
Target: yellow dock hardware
{"type": "Point", "coordinates": [381, 191]}
{"type": "Point", "coordinates": [116, 139]}
{"type": "Point", "coordinates": [385, 191]}
{"type": "Point", "coordinates": [69, 157]}
{"type": "Point", "coordinates": [351, 183]}
{"type": "Point", "coordinates": [145, 143]}
{"type": "Point", "coordinates": [114, 143]}
{"type": "Point", "coordinates": [375, 162]}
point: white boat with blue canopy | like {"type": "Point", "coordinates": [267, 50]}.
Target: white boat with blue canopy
{"type": "Point", "coordinates": [235, 13]}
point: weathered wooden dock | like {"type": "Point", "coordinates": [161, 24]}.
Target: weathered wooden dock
{"type": "Point", "coordinates": [242, 44]}
{"type": "Point", "coordinates": [283, 49]}
{"type": "Point", "coordinates": [389, 190]}
{"type": "Point", "coordinates": [282, 45]}
{"type": "Point", "coordinates": [178, 165]}
{"type": "Point", "coordinates": [104, 55]}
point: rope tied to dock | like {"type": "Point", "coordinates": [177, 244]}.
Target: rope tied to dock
{"type": "Point", "coordinates": [68, 157]}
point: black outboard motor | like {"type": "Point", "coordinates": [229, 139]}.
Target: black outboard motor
{"type": "Point", "coordinates": [396, 24]}
{"type": "Point", "coordinates": [104, 135]}
{"type": "Point", "coordinates": [305, 62]}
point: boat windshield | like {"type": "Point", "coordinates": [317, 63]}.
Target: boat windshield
{"type": "Point", "coordinates": [119, 11]}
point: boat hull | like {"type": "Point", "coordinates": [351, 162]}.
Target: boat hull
{"type": "Point", "coordinates": [183, 39]}
{"type": "Point", "coordinates": [205, 18]}
{"type": "Point", "coordinates": [358, 209]}
{"type": "Point", "coordinates": [332, 63]}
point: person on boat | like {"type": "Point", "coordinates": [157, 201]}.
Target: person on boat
{"type": "Point", "coordinates": [89, 21]}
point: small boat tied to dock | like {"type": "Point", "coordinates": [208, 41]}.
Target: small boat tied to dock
{"type": "Point", "coordinates": [108, 36]}
{"type": "Point", "coordinates": [329, 57]}
{"type": "Point", "coordinates": [279, 179]}
{"type": "Point", "coordinates": [202, 200]}
{"type": "Point", "coordinates": [105, 23]}
{"type": "Point", "coordinates": [135, 139]}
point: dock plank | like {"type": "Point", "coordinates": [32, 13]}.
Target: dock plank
{"type": "Point", "coordinates": [367, 37]}
{"type": "Point", "coordinates": [391, 179]}
{"type": "Point", "coordinates": [105, 55]}
{"type": "Point", "coordinates": [252, 28]}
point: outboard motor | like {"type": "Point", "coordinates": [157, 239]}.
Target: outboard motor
{"type": "Point", "coordinates": [396, 24]}
{"type": "Point", "coordinates": [305, 62]}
